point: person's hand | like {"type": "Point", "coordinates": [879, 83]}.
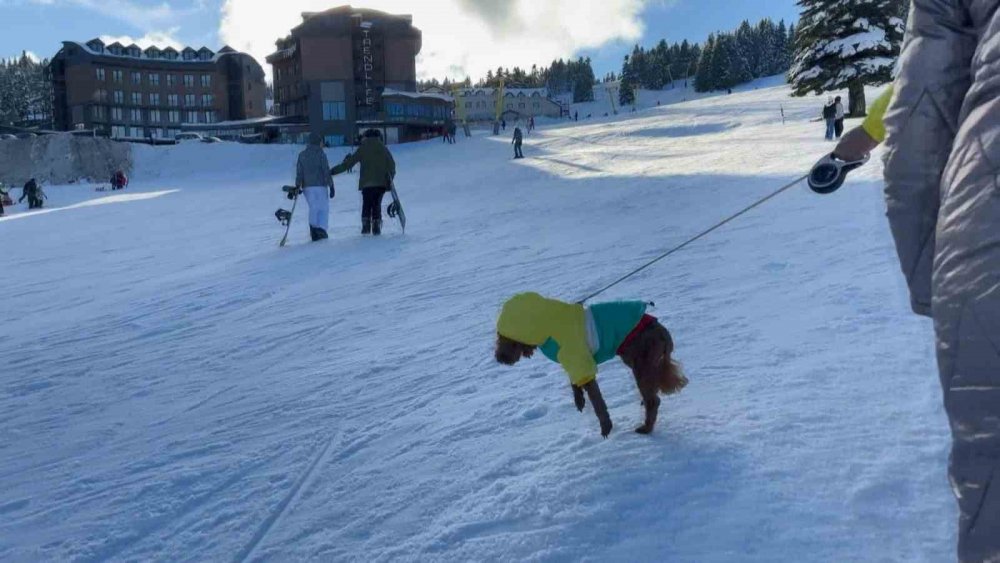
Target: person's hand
{"type": "Point", "coordinates": [854, 145]}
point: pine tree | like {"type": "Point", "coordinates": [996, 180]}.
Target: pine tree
{"type": "Point", "coordinates": [626, 90]}
{"type": "Point", "coordinates": [846, 43]}
{"type": "Point", "coordinates": [704, 80]}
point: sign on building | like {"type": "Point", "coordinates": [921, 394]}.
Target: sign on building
{"type": "Point", "coordinates": [369, 68]}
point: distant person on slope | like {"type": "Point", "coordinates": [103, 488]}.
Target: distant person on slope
{"type": "Point", "coordinates": [4, 199]}
{"type": "Point", "coordinates": [119, 181]}
{"type": "Point", "coordinates": [830, 117]}
{"type": "Point", "coordinates": [312, 177]}
{"type": "Point", "coordinates": [579, 338]}
{"type": "Point", "coordinates": [518, 139]}
{"type": "Point", "coordinates": [33, 192]}
{"type": "Point", "coordinates": [838, 118]}
{"type": "Point", "coordinates": [378, 169]}
{"type": "Point", "coordinates": [941, 128]}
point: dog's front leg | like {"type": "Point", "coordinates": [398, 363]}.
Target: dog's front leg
{"type": "Point", "coordinates": [578, 399]}
{"type": "Point", "coordinates": [651, 401]}
{"type": "Point", "coordinates": [600, 407]}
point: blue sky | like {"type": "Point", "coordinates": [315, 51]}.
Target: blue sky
{"type": "Point", "coordinates": [39, 26]}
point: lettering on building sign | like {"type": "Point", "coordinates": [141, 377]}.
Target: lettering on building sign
{"type": "Point", "coordinates": [368, 62]}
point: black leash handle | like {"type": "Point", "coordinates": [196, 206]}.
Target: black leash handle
{"type": "Point", "coordinates": [700, 235]}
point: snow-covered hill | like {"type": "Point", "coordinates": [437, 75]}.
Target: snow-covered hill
{"type": "Point", "coordinates": [173, 386]}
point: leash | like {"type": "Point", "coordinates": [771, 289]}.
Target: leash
{"type": "Point", "coordinates": [700, 235]}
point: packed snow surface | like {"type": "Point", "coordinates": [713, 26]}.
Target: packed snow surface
{"type": "Point", "coordinates": [176, 387]}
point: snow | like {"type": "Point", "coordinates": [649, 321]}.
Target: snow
{"type": "Point", "coordinates": [418, 95]}
{"type": "Point", "coordinates": [176, 387]}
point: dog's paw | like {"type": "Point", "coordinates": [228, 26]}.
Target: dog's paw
{"type": "Point", "coordinates": [644, 430]}
{"type": "Point", "coordinates": [606, 428]}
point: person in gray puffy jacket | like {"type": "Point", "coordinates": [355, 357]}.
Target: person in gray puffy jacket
{"type": "Point", "coordinates": [942, 171]}
{"type": "Point", "coordinates": [312, 176]}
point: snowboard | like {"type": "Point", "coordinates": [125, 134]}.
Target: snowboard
{"type": "Point", "coordinates": [285, 217]}
{"type": "Point", "coordinates": [396, 208]}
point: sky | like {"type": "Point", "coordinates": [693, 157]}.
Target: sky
{"type": "Point", "coordinates": [460, 37]}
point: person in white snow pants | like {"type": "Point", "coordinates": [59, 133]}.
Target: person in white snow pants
{"type": "Point", "coordinates": [312, 176]}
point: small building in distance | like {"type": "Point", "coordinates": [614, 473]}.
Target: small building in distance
{"type": "Point", "coordinates": [129, 92]}
{"type": "Point", "coordinates": [347, 69]}
{"type": "Point", "coordinates": [480, 104]}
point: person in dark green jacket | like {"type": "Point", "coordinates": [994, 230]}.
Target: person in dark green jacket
{"type": "Point", "coordinates": [377, 172]}
{"type": "Point", "coordinates": [580, 338]}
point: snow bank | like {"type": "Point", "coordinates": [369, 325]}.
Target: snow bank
{"type": "Point", "coordinates": [62, 158]}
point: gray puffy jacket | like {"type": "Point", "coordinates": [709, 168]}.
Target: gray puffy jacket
{"type": "Point", "coordinates": [313, 169]}
{"type": "Point", "coordinates": [943, 193]}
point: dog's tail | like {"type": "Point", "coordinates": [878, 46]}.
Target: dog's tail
{"type": "Point", "coordinates": [673, 380]}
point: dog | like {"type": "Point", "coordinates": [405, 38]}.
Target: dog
{"type": "Point", "coordinates": [579, 338]}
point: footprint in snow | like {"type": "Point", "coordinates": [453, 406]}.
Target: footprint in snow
{"type": "Point", "coordinates": [534, 413]}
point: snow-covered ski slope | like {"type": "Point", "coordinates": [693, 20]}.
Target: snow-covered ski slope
{"type": "Point", "coordinates": [173, 386]}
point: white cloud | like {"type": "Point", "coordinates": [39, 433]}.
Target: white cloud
{"type": "Point", "coordinates": [160, 39]}
{"type": "Point", "coordinates": [460, 37]}
{"type": "Point", "coordinates": [140, 16]}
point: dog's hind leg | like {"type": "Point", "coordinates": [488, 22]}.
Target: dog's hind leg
{"type": "Point", "coordinates": [647, 375]}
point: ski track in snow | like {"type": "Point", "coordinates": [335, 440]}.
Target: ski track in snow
{"type": "Point", "coordinates": [175, 387]}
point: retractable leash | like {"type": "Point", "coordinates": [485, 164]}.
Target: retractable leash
{"type": "Point", "coordinates": [700, 235]}
{"type": "Point", "coordinates": [829, 173]}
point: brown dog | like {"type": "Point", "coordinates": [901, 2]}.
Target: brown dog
{"type": "Point", "coordinates": [647, 352]}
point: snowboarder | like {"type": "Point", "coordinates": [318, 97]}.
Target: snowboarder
{"type": "Point", "coordinates": [452, 129]}
{"type": "Point", "coordinates": [838, 119]}
{"type": "Point", "coordinates": [503, 124]}
{"type": "Point", "coordinates": [941, 132]}
{"type": "Point", "coordinates": [313, 179]}
{"type": "Point", "coordinates": [516, 141]}
{"type": "Point", "coordinates": [830, 116]}
{"type": "Point", "coordinates": [576, 116]}
{"type": "Point", "coordinates": [33, 192]}
{"type": "Point", "coordinates": [579, 338]}
{"type": "Point", "coordinates": [531, 124]}
{"type": "Point", "coordinates": [378, 169]}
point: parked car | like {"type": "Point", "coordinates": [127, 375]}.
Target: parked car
{"type": "Point", "coordinates": [7, 137]}
{"type": "Point", "coordinates": [211, 140]}
{"type": "Point", "coordinates": [26, 135]}
{"type": "Point", "coordinates": [188, 137]}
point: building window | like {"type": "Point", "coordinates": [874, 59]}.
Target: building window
{"type": "Point", "coordinates": [537, 106]}
{"type": "Point", "coordinates": [116, 75]}
{"type": "Point", "coordinates": [395, 109]}
{"type": "Point", "coordinates": [154, 99]}
{"type": "Point", "coordinates": [173, 100]}
{"type": "Point", "coordinates": [206, 100]}
{"type": "Point", "coordinates": [154, 116]}
{"type": "Point", "coordinates": [136, 98]}
{"type": "Point", "coordinates": [174, 116]}
{"type": "Point", "coordinates": [206, 80]}
{"type": "Point", "coordinates": [334, 111]}
{"type": "Point", "coordinates": [135, 115]}
{"type": "Point", "coordinates": [119, 97]}
{"type": "Point", "coordinates": [171, 80]}
{"type": "Point", "coordinates": [117, 131]}
{"type": "Point", "coordinates": [210, 116]}
{"type": "Point", "coordinates": [102, 96]}
{"type": "Point", "coordinates": [117, 114]}
{"type": "Point", "coordinates": [154, 79]}
{"type": "Point", "coordinates": [189, 81]}
{"type": "Point", "coordinates": [334, 140]}
{"type": "Point", "coordinates": [189, 100]}
{"type": "Point", "coordinates": [156, 133]}
{"type": "Point", "coordinates": [100, 74]}
{"type": "Point", "coordinates": [468, 105]}
{"type": "Point", "coordinates": [97, 112]}
{"type": "Point", "coordinates": [135, 132]}
{"type": "Point", "coordinates": [192, 117]}
{"type": "Point", "coordinates": [137, 78]}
